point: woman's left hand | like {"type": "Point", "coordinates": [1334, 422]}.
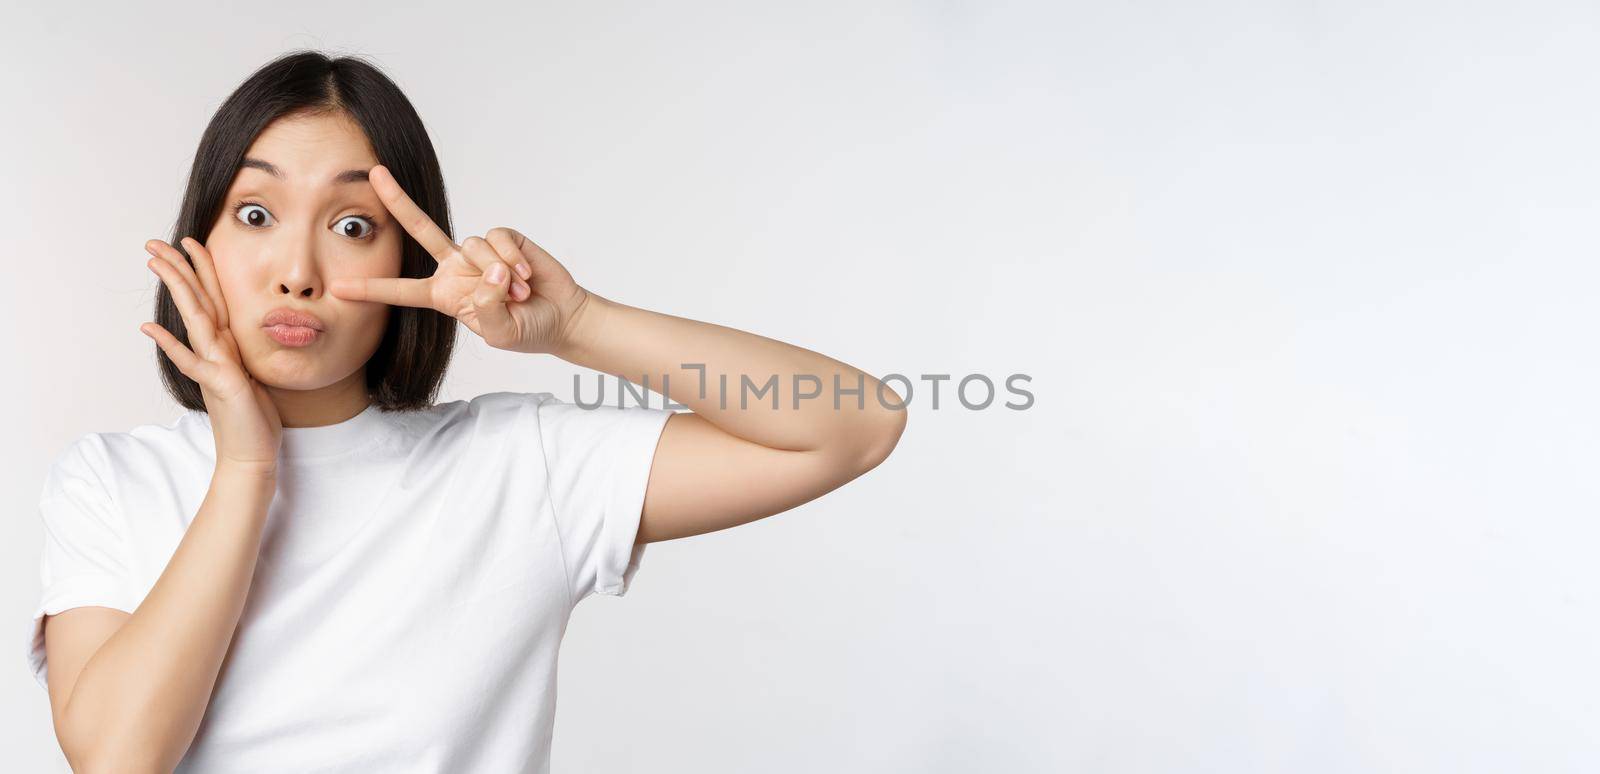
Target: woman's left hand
{"type": "Point", "coordinates": [502, 286]}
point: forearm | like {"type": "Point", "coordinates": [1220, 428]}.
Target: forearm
{"type": "Point", "coordinates": [821, 403]}
{"type": "Point", "coordinates": [138, 701]}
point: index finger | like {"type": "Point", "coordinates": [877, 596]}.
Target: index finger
{"type": "Point", "coordinates": [411, 217]}
{"type": "Point", "coordinates": [398, 291]}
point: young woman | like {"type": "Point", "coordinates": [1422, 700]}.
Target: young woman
{"type": "Point", "coordinates": [316, 567]}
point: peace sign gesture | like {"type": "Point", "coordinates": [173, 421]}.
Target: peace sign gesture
{"type": "Point", "coordinates": [473, 282]}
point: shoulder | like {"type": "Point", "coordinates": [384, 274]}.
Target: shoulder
{"type": "Point", "coordinates": [451, 428]}
{"type": "Point", "coordinates": [103, 458]}
{"type": "Point", "coordinates": [489, 412]}
{"type": "Point", "coordinates": [83, 463]}
{"type": "Point", "coordinates": [509, 401]}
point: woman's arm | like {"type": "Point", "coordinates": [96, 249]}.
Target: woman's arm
{"type": "Point", "coordinates": [127, 692]}
{"type": "Point", "coordinates": [738, 457]}
{"type": "Point", "coordinates": [735, 459]}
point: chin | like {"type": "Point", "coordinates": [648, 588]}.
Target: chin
{"type": "Point", "coordinates": [294, 370]}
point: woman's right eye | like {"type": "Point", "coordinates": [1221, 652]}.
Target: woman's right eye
{"type": "Point", "coordinates": [253, 215]}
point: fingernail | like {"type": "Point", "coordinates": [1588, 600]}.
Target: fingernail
{"type": "Point", "coordinates": [522, 290]}
{"type": "Point", "coordinates": [523, 270]}
{"type": "Point", "coordinates": [497, 273]}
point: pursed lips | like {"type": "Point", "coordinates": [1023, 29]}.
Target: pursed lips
{"type": "Point", "coordinates": [292, 328]}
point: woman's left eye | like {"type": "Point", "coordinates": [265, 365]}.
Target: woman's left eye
{"type": "Point", "coordinates": [354, 226]}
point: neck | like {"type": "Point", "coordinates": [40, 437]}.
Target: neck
{"type": "Point", "coordinates": [322, 406]}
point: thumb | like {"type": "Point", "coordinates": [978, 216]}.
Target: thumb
{"type": "Point", "coordinates": [495, 323]}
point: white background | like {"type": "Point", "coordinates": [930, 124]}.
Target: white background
{"type": "Point", "coordinates": [1306, 290]}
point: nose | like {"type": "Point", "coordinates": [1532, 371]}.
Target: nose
{"type": "Point", "coordinates": [299, 275]}
{"type": "Point", "coordinates": [302, 289]}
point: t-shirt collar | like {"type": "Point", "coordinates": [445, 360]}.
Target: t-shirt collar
{"type": "Point", "coordinates": [338, 438]}
{"type": "Point", "coordinates": [357, 432]}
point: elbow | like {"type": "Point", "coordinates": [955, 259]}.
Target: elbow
{"type": "Point", "coordinates": [100, 752]}
{"type": "Point", "coordinates": [76, 748]}
{"type": "Point", "coordinates": [862, 443]}
{"type": "Point", "coordinates": [109, 759]}
{"type": "Point", "coordinates": [882, 440]}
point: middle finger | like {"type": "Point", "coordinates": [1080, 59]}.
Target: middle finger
{"type": "Point", "coordinates": [207, 269]}
{"type": "Point", "coordinates": [171, 255]}
{"type": "Point", "coordinates": [202, 332]}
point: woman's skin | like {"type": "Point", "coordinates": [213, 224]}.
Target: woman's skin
{"type": "Point", "coordinates": [128, 691]}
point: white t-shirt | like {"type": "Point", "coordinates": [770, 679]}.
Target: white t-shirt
{"type": "Point", "coordinates": [416, 574]}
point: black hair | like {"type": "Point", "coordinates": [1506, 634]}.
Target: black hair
{"type": "Point", "coordinates": [406, 370]}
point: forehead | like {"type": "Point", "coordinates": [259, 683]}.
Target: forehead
{"type": "Point", "coordinates": [311, 148]}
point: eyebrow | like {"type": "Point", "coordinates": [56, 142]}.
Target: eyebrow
{"type": "Point", "coordinates": [347, 176]}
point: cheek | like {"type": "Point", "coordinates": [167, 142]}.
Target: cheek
{"type": "Point", "coordinates": [373, 321]}
{"type": "Point", "coordinates": [386, 258]}
{"type": "Point", "coordinates": [379, 260]}
{"type": "Point", "coordinates": [227, 253]}
{"type": "Point", "coordinates": [384, 251]}
{"type": "Point", "coordinates": [228, 274]}
{"type": "Point", "coordinates": [233, 279]}
{"type": "Point", "coordinates": [362, 331]}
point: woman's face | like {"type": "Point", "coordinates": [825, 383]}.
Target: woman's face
{"type": "Point", "coordinates": [299, 215]}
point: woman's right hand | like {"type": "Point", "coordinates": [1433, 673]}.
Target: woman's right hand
{"type": "Point", "coordinates": [244, 419]}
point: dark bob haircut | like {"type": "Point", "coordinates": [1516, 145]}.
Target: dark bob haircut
{"type": "Point", "coordinates": [406, 370]}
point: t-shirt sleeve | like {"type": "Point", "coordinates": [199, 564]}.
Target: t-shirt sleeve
{"type": "Point", "coordinates": [83, 561]}
{"type": "Point", "coordinates": [598, 462]}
